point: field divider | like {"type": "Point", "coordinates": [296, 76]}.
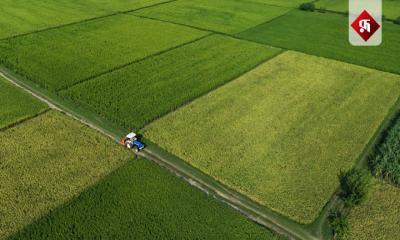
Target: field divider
{"type": "Point", "coordinates": [234, 36]}
{"type": "Point", "coordinates": [132, 62]}
{"type": "Point", "coordinates": [15, 124]}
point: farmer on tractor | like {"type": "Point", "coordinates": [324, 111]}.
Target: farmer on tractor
{"type": "Point", "coordinates": [132, 142]}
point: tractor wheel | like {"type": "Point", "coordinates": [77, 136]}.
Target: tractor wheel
{"type": "Point", "coordinates": [135, 149]}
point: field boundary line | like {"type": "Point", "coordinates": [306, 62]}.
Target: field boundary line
{"type": "Point", "coordinates": [114, 13]}
{"type": "Point", "coordinates": [217, 86]}
{"type": "Point", "coordinates": [267, 22]}
{"type": "Point", "coordinates": [132, 62]}
{"type": "Point", "coordinates": [233, 35]}
{"type": "Point", "coordinates": [26, 119]}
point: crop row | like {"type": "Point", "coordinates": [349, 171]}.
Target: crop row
{"type": "Point", "coordinates": [386, 162]}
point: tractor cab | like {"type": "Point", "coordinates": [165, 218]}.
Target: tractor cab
{"type": "Point", "coordinates": [132, 142]}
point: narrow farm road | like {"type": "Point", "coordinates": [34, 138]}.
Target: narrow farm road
{"type": "Point", "coordinates": [196, 178]}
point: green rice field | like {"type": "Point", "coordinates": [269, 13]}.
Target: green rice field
{"type": "Point", "coordinates": [21, 17]}
{"type": "Point", "coordinates": [45, 162]}
{"type": "Point", "coordinates": [58, 58]}
{"type": "Point", "coordinates": [143, 201]}
{"type": "Point", "coordinates": [379, 217]}
{"type": "Point", "coordinates": [326, 35]}
{"type": "Point", "coordinates": [282, 133]}
{"type": "Point", "coordinates": [225, 16]}
{"type": "Point", "coordinates": [141, 92]}
{"type": "Point", "coordinates": [16, 105]}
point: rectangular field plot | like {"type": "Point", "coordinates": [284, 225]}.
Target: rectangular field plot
{"type": "Point", "coordinates": [326, 35]}
{"type": "Point", "coordinates": [136, 94]}
{"type": "Point", "coordinates": [45, 162]}
{"type": "Point", "coordinates": [281, 133]}
{"type": "Point", "coordinates": [390, 8]}
{"type": "Point", "coordinates": [58, 58]}
{"type": "Point", "coordinates": [378, 217]}
{"type": "Point", "coordinates": [227, 16]}
{"type": "Point", "coordinates": [16, 105]}
{"type": "Point", "coordinates": [18, 17]}
{"type": "Point", "coordinates": [143, 201]}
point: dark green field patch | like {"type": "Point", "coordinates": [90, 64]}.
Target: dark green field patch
{"type": "Point", "coordinates": [228, 16]}
{"type": "Point", "coordinates": [16, 105]}
{"type": "Point", "coordinates": [135, 95]}
{"type": "Point", "coordinates": [390, 8]}
{"type": "Point", "coordinates": [326, 35]}
{"type": "Point", "coordinates": [143, 201]}
{"type": "Point", "coordinates": [19, 17]}
{"type": "Point", "coordinates": [58, 58]}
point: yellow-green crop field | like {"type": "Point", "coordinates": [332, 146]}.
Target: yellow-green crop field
{"type": "Point", "coordinates": [282, 133]}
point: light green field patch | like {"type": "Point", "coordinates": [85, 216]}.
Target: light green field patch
{"type": "Point", "coordinates": [282, 133]}
{"type": "Point", "coordinates": [46, 161]}
{"type": "Point", "coordinates": [16, 105]}
{"type": "Point", "coordinates": [379, 217]}
{"type": "Point", "coordinates": [390, 8]}
{"type": "Point", "coordinates": [137, 94]}
{"type": "Point", "coordinates": [58, 58]}
{"type": "Point", "coordinates": [23, 16]}
{"type": "Point", "coordinates": [227, 16]}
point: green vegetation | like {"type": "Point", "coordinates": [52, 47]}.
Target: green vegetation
{"type": "Point", "coordinates": [227, 16]}
{"type": "Point", "coordinates": [61, 57]}
{"type": "Point", "coordinates": [143, 201]}
{"type": "Point", "coordinates": [45, 162]}
{"type": "Point", "coordinates": [355, 186]}
{"type": "Point", "coordinates": [141, 92]}
{"type": "Point", "coordinates": [282, 133]}
{"type": "Point", "coordinates": [379, 217]}
{"type": "Point", "coordinates": [390, 8]}
{"type": "Point", "coordinates": [18, 17]}
{"type": "Point", "coordinates": [386, 162]}
{"type": "Point", "coordinates": [310, 6]}
{"type": "Point", "coordinates": [326, 35]}
{"type": "Point", "coordinates": [339, 224]}
{"type": "Point", "coordinates": [16, 105]}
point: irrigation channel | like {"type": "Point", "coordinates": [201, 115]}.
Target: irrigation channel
{"type": "Point", "coordinates": [254, 211]}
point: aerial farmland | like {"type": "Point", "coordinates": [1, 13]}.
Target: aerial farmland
{"type": "Point", "coordinates": [198, 119]}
